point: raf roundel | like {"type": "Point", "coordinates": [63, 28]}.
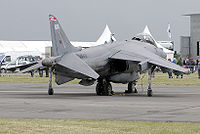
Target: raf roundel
{"type": "Point", "coordinates": [60, 41]}
{"type": "Point", "coordinates": [56, 26]}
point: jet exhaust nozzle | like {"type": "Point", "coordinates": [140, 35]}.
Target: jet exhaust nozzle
{"type": "Point", "coordinates": [47, 62]}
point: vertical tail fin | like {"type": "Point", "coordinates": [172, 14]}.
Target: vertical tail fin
{"type": "Point", "coordinates": [60, 42]}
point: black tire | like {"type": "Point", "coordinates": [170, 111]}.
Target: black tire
{"type": "Point", "coordinates": [99, 89]}
{"type": "Point", "coordinates": [130, 87]}
{"type": "Point", "coordinates": [107, 89]}
{"type": "Point", "coordinates": [149, 93]}
{"type": "Point", "coordinates": [50, 91]}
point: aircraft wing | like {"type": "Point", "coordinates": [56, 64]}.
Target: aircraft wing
{"type": "Point", "coordinates": [150, 58]}
{"type": "Point", "coordinates": [68, 61]}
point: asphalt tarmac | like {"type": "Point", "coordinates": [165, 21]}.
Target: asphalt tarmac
{"type": "Point", "coordinates": [169, 103]}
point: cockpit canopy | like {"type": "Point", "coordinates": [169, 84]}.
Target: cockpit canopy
{"type": "Point", "coordinates": [145, 38]}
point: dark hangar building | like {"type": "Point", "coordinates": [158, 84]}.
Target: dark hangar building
{"type": "Point", "coordinates": [190, 45]}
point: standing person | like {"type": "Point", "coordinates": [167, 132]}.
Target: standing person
{"type": "Point", "coordinates": [184, 61]}
{"type": "Point", "coordinates": [170, 72]}
{"type": "Point", "coordinates": [196, 65]}
{"type": "Point", "coordinates": [188, 63]}
{"type": "Point", "coordinates": [40, 72]}
{"type": "Point", "coordinates": [32, 73]}
{"type": "Point", "coordinates": [180, 63]}
{"type": "Point", "coordinates": [192, 64]}
{"type": "Point", "coordinates": [199, 68]}
{"type": "Point", "coordinates": [174, 61]}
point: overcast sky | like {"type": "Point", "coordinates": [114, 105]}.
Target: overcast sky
{"type": "Point", "coordinates": [84, 20]}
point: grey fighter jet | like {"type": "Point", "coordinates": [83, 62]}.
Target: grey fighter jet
{"type": "Point", "coordinates": [117, 62]}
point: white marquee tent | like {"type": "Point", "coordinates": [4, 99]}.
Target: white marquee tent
{"type": "Point", "coordinates": [38, 47]}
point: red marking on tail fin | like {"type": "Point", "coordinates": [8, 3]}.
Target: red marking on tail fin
{"type": "Point", "coordinates": [60, 41]}
{"type": "Point", "coordinates": [52, 18]}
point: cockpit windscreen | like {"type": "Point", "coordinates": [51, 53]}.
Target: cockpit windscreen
{"type": "Point", "coordinates": [144, 38]}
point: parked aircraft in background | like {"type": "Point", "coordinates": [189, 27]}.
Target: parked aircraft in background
{"type": "Point", "coordinates": [20, 63]}
{"type": "Point", "coordinates": [118, 62]}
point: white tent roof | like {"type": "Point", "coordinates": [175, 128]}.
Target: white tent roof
{"type": "Point", "coordinates": [105, 36]}
{"type": "Point", "coordinates": [147, 31]}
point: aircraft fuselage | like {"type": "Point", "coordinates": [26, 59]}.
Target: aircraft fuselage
{"type": "Point", "coordinates": [119, 71]}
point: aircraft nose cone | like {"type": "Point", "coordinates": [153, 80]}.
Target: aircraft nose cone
{"type": "Point", "coordinates": [47, 62]}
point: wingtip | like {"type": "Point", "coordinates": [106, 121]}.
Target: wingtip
{"type": "Point", "coordinates": [97, 76]}
{"type": "Point", "coordinates": [188, 71]}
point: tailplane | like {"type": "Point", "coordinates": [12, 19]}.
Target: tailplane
{"type": "Point", "coordinates": [60, 42]}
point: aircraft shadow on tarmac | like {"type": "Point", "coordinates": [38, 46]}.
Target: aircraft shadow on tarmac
{"type": "Point", "coordinates": [66, 95]}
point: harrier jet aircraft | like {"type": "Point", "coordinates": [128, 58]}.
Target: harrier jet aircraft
{"type": "Point", "coordinates": [118, 62]}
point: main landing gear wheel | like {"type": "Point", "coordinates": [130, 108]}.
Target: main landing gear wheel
{"type": "Point", "coordinates": [131, 87]}
{"type": "Point", "coordinates": [99, 89]}
{"type": "Point", "coordinates": [104, 88]}
{"type": "Point", "coordinates": [107, 90]}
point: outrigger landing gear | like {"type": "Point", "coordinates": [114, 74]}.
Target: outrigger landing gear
{"type": "Point", "coordinates": [149, 90]}
{"type": "Point", "coordinates": [104, 88]}
{"type": "Point", "coordinates": [131, 87]}
{"type": "Point", "coordinates": [50, 91]}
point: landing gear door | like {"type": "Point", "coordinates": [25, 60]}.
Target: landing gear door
{"type": "Point", "coordinates": [144, 66]}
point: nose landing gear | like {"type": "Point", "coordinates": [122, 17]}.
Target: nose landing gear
{"type": "Point", "coordinates": [50, 91]}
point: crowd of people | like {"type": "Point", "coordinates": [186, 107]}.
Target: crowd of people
{"type": "Point", "coordinates": [188, 63]}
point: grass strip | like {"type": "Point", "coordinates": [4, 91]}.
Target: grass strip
{"type": "Point", "coordinates": [41, 126]}
{"type": "Point", "coordinates": [159, 79]}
